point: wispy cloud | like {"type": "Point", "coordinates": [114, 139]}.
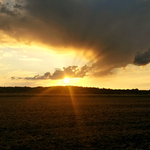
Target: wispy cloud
{"type": "Point", "coordinates": [29, 59]}
{"type": "Point", "coordinates": [70, 71]}
{"type": "Point", "coordinates": [3, 66]}
{"type": "Point", "coordinates": [7, 54]}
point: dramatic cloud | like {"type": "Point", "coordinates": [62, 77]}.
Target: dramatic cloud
{"type": "Point", "coordinates": [71, 71]}
{"type": "Point", "coordinates": [142, 58]}
{"type": "Point", "coordinates": [114, 29]}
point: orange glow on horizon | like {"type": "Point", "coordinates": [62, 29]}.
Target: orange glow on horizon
{"type": "Point", "coordinates": [68, 81]}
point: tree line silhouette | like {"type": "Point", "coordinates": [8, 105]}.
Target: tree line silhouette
{"type": "Point", "coordinates": [68, 89]}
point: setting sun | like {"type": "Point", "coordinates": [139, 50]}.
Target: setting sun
{"type": "Point", "coordinates": [66, 80]}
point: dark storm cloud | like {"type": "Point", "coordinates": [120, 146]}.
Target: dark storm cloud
{"type": "Point", "coordinates": [5, 11]}
{"type": "Point", "coordinates": [114, 29]}
{"type": "Point", "coordinates": [17, 6]}
{"type": "Point", "coordinates": [142, 58]}
{"type": "Point", "coordinates": [70, 71]}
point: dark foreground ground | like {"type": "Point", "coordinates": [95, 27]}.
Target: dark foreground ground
{"type": "Point", "coordinates": [79, 122]}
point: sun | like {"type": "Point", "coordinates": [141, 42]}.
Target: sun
{"type": "Point", "coordinates": [66, 80]}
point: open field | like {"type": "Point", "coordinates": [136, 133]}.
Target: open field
{"type": "Point", "coordinates": [79, 122]}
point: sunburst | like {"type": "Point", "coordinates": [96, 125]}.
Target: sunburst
{"type": "Point", "coordinates": [66, 80]}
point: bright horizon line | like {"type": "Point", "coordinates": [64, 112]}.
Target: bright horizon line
{"type": "Point", "coordinates": [73, 86]}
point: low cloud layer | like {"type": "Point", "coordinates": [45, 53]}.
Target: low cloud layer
{"type": "Point", "coordinates": [114, 29]}
{"type": "Point", "coordinates": [142, 58]}
{"type": "Point", "coordinates": [71, 72]}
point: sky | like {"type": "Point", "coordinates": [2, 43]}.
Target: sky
{"type": "Point", "coordinates": [95, 43]}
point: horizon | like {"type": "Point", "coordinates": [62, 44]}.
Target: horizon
{"type": "Point", "coordinates": [73, 86]}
